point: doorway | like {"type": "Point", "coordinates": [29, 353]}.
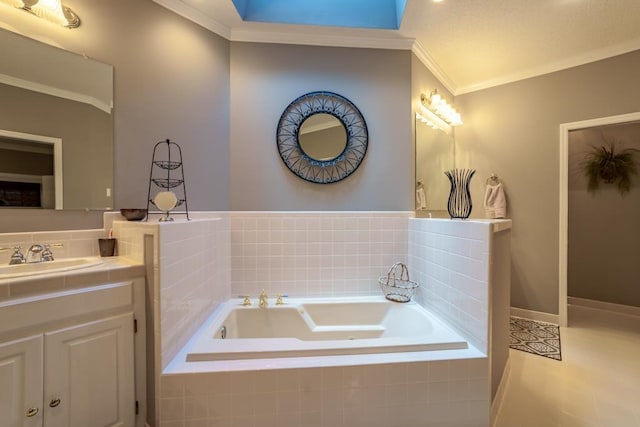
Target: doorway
{"type": "Point", "coordinates": [564, 200]}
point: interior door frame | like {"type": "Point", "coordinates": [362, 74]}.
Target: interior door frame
{"type": "Point", "coordinates": [564, 200]}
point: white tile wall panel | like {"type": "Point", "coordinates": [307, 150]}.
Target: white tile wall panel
{"type": "Point", "coordinates": [450, 258]}
{"type": "Point", "coordinates": [314, 253]}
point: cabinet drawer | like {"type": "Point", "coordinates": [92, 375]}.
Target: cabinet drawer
{"type": "Point", "coordinates": [56, 306]}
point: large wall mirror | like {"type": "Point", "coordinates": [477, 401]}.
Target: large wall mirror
{"type": "Point", "coordinates": [434, 155]}
{"type": "Point", "coordinates": [56, 127]}
{"type": "Point", "coordinates": [322, 137]}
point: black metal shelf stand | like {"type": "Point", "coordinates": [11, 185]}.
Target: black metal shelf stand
{"type": "Point", "coordinates": [168, 175]}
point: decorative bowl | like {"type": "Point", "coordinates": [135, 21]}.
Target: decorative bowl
{"type": "Point", "coordinates": [133, 214]}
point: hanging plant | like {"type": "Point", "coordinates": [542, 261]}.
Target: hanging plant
{"type": "Point", "coordinates": [611, 167]}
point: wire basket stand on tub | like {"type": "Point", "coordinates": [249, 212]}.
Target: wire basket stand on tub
{"type": "Point", "coordinates": [396, 285]}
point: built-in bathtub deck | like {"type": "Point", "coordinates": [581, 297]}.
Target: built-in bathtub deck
{"type": "Point", "coordinates": [319, 332]}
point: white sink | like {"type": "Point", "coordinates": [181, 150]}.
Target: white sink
{"type": "Point", "coordinates": [36, 268]}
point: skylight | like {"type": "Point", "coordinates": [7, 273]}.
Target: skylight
{"type": "Point", "coordinates": [381, 14]}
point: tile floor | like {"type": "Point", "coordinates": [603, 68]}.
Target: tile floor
{"type": "Point", "coordinates": [596, 384]}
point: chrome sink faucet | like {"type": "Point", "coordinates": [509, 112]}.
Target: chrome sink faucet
{"type": "Point", "coordinates": [32, 252]}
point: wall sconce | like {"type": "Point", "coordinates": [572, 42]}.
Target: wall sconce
{"type": "Point", "coordinates": [51, 10]}
{"type": "Point", "coordinates": [435, 104]}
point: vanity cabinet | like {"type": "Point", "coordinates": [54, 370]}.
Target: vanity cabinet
{"type": "Point", "coordinates": [77, 369]}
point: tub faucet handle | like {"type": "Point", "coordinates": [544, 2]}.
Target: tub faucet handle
{"type": "Point", "coordinates": [247, 301]}
{"type": "Point", "coordinates": [279, 300]}
{"type": "Point", "coordinates": [263, 299]}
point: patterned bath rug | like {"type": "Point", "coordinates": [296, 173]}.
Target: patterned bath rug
{"type": "Point", "coordinates": [535, 337]}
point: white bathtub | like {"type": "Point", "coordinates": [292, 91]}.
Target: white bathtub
{"type": "Point", "coordinates": [320, 327]}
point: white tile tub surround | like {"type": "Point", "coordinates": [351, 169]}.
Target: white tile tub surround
{"type": "Point", "coordinates": [451, 261]}
{"type": "Point", "coordinates": [191, 272]}
{"type": "Point", "coordinates": [314, 253]}
{"type": "Point", "coordinates": [421, 394]}
{"type": "Point", "coordinates": [326, 254]}
{"type": "Point", "coordinates": [194, 277]}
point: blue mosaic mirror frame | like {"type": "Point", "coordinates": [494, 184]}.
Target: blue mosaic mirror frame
{"type": "Point", "coordinates": [308, 168]}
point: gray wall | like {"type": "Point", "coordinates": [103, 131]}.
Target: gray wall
{"type": "Point", "coordinates": [171, 81]}
{"type": "Point", "coordinates": [603, 226]}
{"type": "Point", "coordinates": [265, 78]}
{"type": "Point", "coordinates": [513, 130]}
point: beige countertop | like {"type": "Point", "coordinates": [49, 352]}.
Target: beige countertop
{"type": "Point", "coordinates": [108, 270]}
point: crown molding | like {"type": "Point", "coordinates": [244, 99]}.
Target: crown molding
{"type": "Point", "coordinates": [243, 35]}
{"type": "Point", "coordinates": [421, 53]}
{"type": "Point", "coordinates": [574, 61]}
{"type": "Point", "coordinates": [257, 36]}
{"type": "Point", "coordinates": [194, 15]}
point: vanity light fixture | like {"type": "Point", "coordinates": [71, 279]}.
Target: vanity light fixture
{"type": "Point", "coordinates": [432, 120]}
{"type": "Point", "coordinates": [436, 104]}
{"type": "Point", "coordinates": [427, 122]}
{"type": "Point", "coordinates": [51, 10]}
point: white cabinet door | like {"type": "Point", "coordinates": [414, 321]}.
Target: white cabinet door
{"type": "Point", "coordinates": [21, 382]}
{"type": "Point", "coordinates": [89, 374]}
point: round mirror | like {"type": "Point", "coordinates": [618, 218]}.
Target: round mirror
{"type": "Point", "coordinates": [322, 137]}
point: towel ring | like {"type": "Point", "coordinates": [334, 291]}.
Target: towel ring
{"type": "Point", "coordinates": [493, 179]}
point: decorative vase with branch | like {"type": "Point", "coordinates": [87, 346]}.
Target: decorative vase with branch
{"type": "Point", "coordinates": [605, 164]}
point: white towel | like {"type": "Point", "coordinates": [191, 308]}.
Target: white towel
{"type": "Point", "coordinates": [421, 199]}
{"type": "Point", "coordinates": [495, 201]}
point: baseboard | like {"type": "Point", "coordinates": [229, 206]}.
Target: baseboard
{"type": "Point", "coordinates": [535, 315]}
{"type": "Point", "coordinates": [497, 400]}
{"type": "Point", "coordinates": [602, 305]}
